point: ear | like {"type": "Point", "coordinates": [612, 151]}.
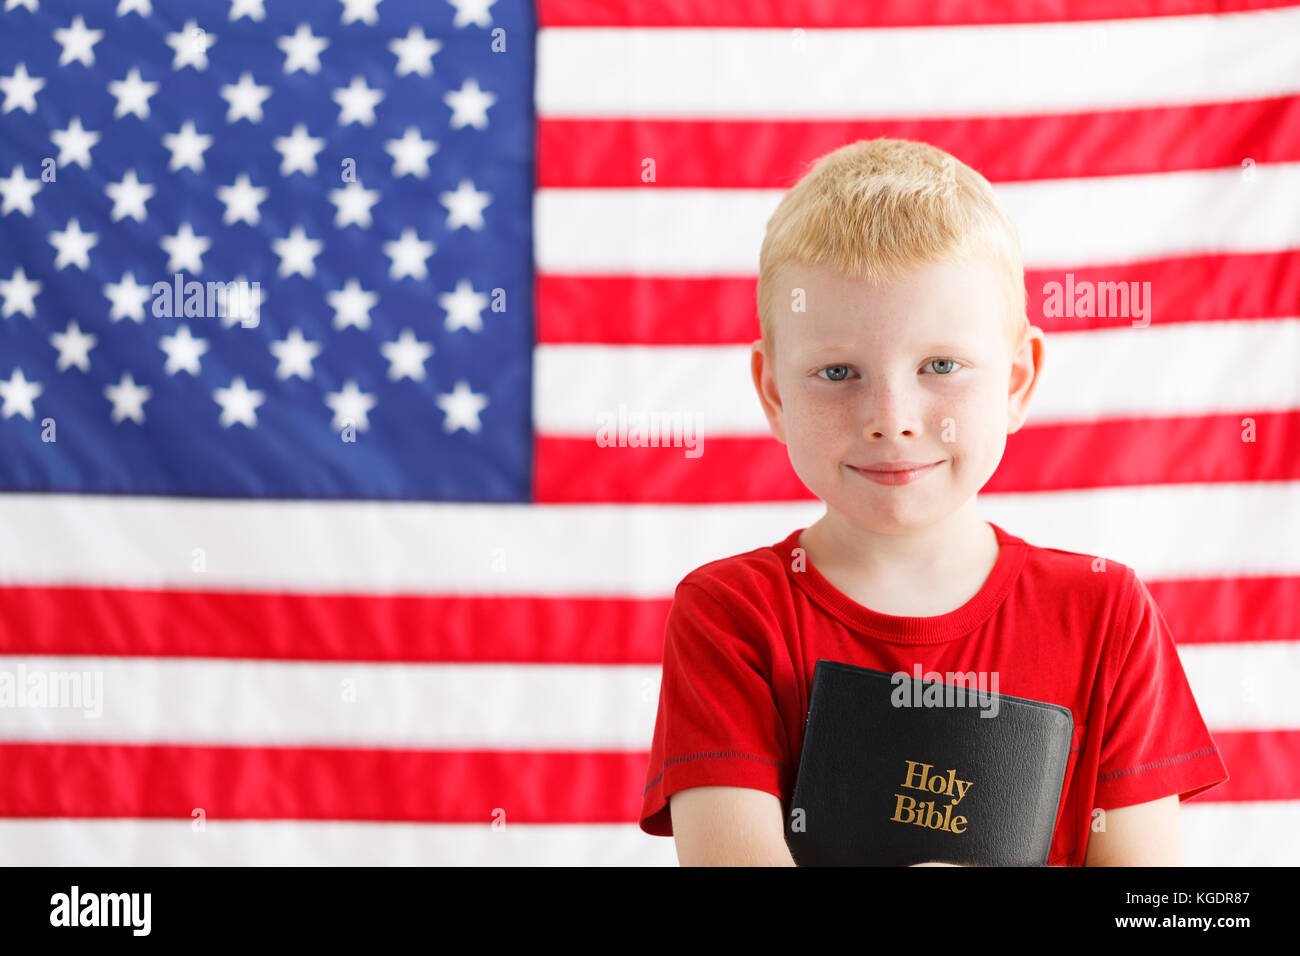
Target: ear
{"type": "Point", "coordinates": [764, 376]}
{"type": "Point", "coordinates": [1026, 371]}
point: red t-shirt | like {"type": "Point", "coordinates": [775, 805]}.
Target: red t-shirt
{"type": "Point", "coordinates": [744, 634]}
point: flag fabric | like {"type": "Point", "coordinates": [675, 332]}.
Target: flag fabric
{"type": "Point", "coordinates": [329, 333]}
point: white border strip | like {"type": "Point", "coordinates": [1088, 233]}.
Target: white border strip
{"type": "Point", "coordinates": [937, 71]}
{"type": "Point", "coordinates": [331, 704]}
{"type": "Point", "coordinates": [1193, 530]}
{"type": "Point", "coordinates": [253, 703]}
{"type": "Point", "coordinates": [1176, 369]}
{"type": "Point", "coordinates": [1214, 834]}
{"type": "Point", "coordinates": [1062, 223]}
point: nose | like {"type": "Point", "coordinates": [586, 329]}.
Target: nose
{"type": "Point", "coordinates": [889, 412]}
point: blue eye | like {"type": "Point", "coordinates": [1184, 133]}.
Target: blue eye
{"type": "Point", "coordinates": [841, 372]}
{"type": "Point", "coordinates": [836, 378]}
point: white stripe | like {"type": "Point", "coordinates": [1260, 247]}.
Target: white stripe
{"type": "Point", "coordinates": [475, 706]}
{"type": "Point", "coordinates": [334, 704]}
{"type": "Point", "coordinates": [1180, 530]}
{"type": "Point", "coordinates": [1242, 685]}
{"type": "Point", "coordinates": [1214, 834]}
{"type": "Point", "coordinates": [1258, 833]}
{"type": "Point", "coordinates": [949, 71]}
{"type": "Point", "coordinates": [374, 547]}
{"type": "Point", "coordinates": [1063, 223]}
{"type": "Point", "coordinates": [1166, 531]}
{"type": "Point", "coordinates": [328, 843]}
{"type": "Point", "coordinates": [1182, 368]}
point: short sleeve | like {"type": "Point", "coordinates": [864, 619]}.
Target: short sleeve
{"type": "Point", "coordinates": [1155, 743]}
{"type": "Point", "coordinates": [718, 723]}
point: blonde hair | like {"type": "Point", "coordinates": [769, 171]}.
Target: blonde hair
{"type": "Point", "coordinates": [877, 209]}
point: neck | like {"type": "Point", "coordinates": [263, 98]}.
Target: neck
{"type": "Point", "coordinates": [947, 544]}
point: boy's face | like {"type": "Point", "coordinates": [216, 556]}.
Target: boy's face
{"type": "Point", "coordinates": [917, 369]}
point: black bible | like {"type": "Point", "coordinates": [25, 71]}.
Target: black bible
{"type": "Point", "coordinates": [896, 770]}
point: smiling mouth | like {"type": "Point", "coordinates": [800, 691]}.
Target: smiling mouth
{"type": "Point", "coordinates": [897, 477]}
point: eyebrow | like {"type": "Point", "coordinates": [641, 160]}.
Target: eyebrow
{"type": "Point", "coordinates": [932, 347]}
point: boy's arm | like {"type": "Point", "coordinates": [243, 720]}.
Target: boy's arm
{"type": "Point", "coordinates": [728, 826]}
{"type": "Point", "coordinates": [1145, 834]}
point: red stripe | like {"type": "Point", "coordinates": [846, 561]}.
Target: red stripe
{"type": "Point", "coordinates": [814, 14]}
{"type": "Point", "coordinates": [1262, 765]}
{"type": "Point", "coordinates": [773, 154]}
{"type": "Point", "coordinates": [291, 783]}
{"type": "Point", "coordinates": [1224, 610]}
{"type": "Point", "coordinates": [253, 626]}
{"type": "Point", "coordinates": [660, 310]}
{"type": "Point", "coordinates": [463, 786]}
{"type": "Point", "coordinates": [1050, 457]}
{"type": "Point", "coordinates": [330, 627]}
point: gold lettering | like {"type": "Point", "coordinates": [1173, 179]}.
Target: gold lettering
{"type": "Point", "coordinates": [911, 772]}
{"type": "Point", "coordinates": [898, 808]}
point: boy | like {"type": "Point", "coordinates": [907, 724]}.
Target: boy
{"type": "Point", "coordinates": [896, 356]}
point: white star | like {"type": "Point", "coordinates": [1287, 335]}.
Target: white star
{"type": "Point", "coordinates": [353, 203]}
{"type": "Point", "coordinates": [363, 10]}
{"type": "Point", "coordinates": [238, 403]}
{"type": "Point", "coordinates": [183, 351]}
{"type": "Point", "coordinates": [19, 294]}
{"type": "Point", "coordinates": [408, 254]}
{"type": "Point", "coordinates": [302, 50]}
{"type": "Point", "coordinates": [411, 153]}
{"type": "Point", "coordinates": [351, 305]}
{"type": "Point", "coordinates": [415, 52]}
{"type": "Point", "coordinates": [20, 90]}
{"type": "Point", "coordinates": [142, 7]}
{"type": "Point", "coordinates": [128, 298]}
{"type": "Point", "coordinates": [245, 99]}
{"type": "Point", "coordinates": [469, 105]}
{"type": "Point", "coordinates": [74, 347]}
{"type": "Point", "coordinates": [191, 44]}
{"type": "Point", "coordinates": [296, 253]}
{"type": "Point", "coordinates": [73, 246]}
{"type": "Point", "coordinates": [350, 406]}
{"type": "Point", "coordinates": [463, 307]}
{"type": "Point", "coordinates": [298, 151]}
{"type": "Point", "coordinates": [295, 355]}
{"type": "Point", "coordinates": [253, 9]}
{"type": "Point", "coordinates": [241, 200]}
{"type": "Point", "coordinates": [30, 5]}
{"type": "Point", "coordinates": [129, 197]}
{"type": "Point", "coordinates": [132, 95]}
{"type": "Point", "coordinates": [128, 399]}
{"type": "Point", "coordinates": [406, 356]}
{"type": "Point", "coordinates": [186, 148]}
{"type": "Point", "coordinates": [77, 43]}
{"type": "Point", "coordinates": [357, 102]}
{"type": "Point", "coordinates": [244, 305]}
{"type": "Point", "coordinates": [472, 11]}
{"type": "Point", "coordinates": [18, 191]}
{"type": "Point", "coordinates": [465, 206]}
{"type": "Point", "coordinates": [74, 143]}
{"type": "Point", "coordinates": [185, 249]}
{"type": "Point", "coordinates": [18, 394]}
{"type": "Point", "coordinates": [461, 407]}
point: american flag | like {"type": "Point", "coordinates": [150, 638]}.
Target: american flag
{"type": "Point", "coordinates": [338, 571]}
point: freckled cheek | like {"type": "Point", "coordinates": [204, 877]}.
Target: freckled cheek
{"type": "Point", "coordinates": [969, 426]}
{"type": "Point", "coordinates": [816, 423]}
